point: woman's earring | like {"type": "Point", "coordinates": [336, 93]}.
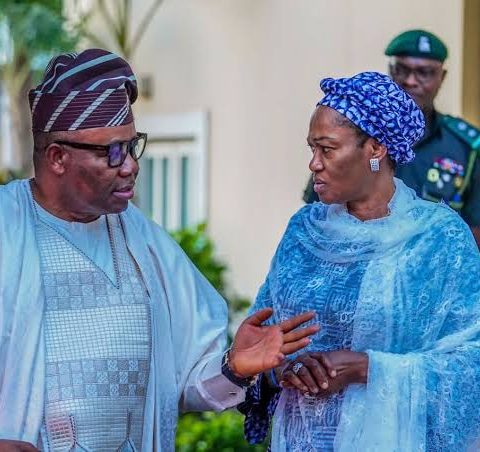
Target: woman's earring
{"type": "Point", "coordinates": [375, 165]}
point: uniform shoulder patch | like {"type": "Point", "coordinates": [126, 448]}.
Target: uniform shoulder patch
{"type": "Point", "coordinates": [463, 130]}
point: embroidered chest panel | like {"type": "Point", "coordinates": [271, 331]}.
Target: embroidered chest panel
{"type": "Point", "coordinates": [98, 345]}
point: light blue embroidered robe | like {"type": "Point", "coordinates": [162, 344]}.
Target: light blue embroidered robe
{"type": "Point", "coordinates": [189, 321]}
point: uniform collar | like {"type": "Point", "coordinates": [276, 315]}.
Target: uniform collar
{"type": "Point", "coordinates": [434, 129]}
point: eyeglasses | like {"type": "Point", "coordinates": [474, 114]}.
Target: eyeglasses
{"type": "Point", "coordinates": [423, 74]}
{"type": "Point", "coordinates": [116, 152]}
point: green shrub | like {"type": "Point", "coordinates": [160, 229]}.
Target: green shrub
{"type": "Point", "coordinates": [212, 432]}
{"type": "Point", "coordinates": [201, 251]}
{"type": "Point", "coordinates": [7, 175]}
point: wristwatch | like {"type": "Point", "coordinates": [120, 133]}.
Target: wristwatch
{"type": "Point", "coordinates": [227, 372]}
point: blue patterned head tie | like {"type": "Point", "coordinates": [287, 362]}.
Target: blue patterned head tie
{"type": "Point", "coordinates": [379, 107]}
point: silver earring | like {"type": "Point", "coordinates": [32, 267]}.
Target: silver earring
{"type": "Point", "coordinates": [375, 165]}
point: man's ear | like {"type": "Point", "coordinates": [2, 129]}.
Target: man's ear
{"type": "Point", "coordinates": [444, 74]}
{"type": "Point", "coordinates": [56, 157]}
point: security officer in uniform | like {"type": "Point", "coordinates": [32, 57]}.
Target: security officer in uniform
{"type": "Point", "coordinates": [447, 164]}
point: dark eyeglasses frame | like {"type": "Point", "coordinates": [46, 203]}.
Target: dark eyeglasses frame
{"type": "Point", "coordinates": [111, 150]}
{"type": "Point", "coordinates": [421, 74]}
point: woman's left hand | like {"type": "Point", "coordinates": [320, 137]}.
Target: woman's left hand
{"type": "Point", "coordinates": [344, 367]}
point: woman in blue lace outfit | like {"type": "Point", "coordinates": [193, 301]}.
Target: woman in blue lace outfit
{"type": "Point", "coordinates": [395, 282]}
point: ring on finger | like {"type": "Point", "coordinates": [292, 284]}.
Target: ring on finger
{"type": "Point", "coordinates": [296, 368]}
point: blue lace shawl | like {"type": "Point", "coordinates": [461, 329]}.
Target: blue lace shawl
{"type": "Point", "coordinates": [406, 290]}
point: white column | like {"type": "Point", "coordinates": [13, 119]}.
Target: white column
{"type": "Point", "coordinates": [7, 154]}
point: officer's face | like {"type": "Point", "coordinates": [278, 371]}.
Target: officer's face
{"type": "Point", "coordinates": [340, 162]}
{"type": "Point", "coordinates": [420, 77]}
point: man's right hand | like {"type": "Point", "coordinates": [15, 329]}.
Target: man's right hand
{"type": "Point", "coordinates": [10, 445]}
{"type": "Point", "coordinates": [258, 347]}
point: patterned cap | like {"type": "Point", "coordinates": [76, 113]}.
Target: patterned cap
{"type": "Point", "coordinates": [92, 89]}
{"type": "Point", "coordinates": [379, 107]}
{"type": "Point", "coordinates": [418, 43]}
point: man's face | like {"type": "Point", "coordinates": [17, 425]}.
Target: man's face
{"type": "Point", "coordinates": [419, 77]}
{"type": "Point", "coordinates": [90, 186]}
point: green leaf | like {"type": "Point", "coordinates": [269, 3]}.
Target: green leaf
{"type": "Point", "coordinates": [201, 250]}
{"type": "Point", "coordinates": [222, 432]}
{"type": "Point", "coordinates": [38, 31]}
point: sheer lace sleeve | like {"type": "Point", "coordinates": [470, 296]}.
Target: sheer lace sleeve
{"type": "Point", "coordinates": [261, 399]}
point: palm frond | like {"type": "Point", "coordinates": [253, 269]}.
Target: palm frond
{"type": "Point", "coordinates": [95, 40]}
{"type": "Point", "coordinates": [105, 14]}
{"type": "Point", "coordinates": [144, 24]}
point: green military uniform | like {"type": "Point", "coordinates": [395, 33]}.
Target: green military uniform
{"type": "Point", "coordinates": [446, 167]}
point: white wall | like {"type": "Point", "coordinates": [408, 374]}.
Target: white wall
{"type": "Point", "coordinates": [255, 66]}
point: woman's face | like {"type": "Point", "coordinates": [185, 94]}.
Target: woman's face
{"type": "Point", "coordinates": [340, 163]}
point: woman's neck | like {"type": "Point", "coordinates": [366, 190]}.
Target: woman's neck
{"type": "Point", "coordinates": [375, 204]}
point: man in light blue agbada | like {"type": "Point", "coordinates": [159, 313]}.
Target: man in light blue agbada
{"type": "Point", "coordinates": [106, 327]}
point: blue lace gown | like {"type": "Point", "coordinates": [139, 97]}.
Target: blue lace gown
{"type": "Point", "coordinates": [331, 290]}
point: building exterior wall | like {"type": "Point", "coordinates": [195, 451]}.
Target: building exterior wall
{"type": "Point", "coordinates": [471, 62]}
{"type": "Point", "coordinates": [254, 65]}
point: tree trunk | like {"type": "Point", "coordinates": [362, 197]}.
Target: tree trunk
{"type": "Point", "coordinates": [16, 143]}
{"type": "Point", "coordinates": [22, 125]}
{"type": "Point", "coordinates": [9, 158]}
